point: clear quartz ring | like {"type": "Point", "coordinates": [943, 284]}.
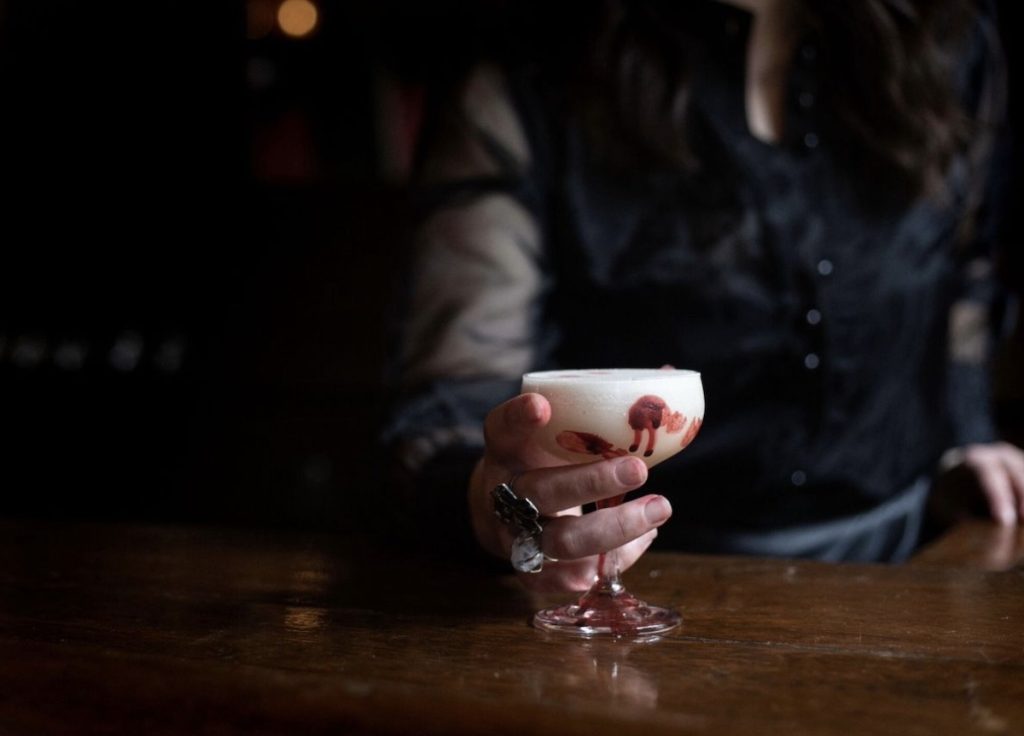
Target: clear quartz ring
{"type": "Point", "coordinates": [526, 555]}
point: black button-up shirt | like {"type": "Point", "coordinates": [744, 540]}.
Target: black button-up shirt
{"type": "Point", "coordinates": [820, 325]}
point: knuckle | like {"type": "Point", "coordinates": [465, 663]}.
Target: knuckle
{"type": "Point", "coordinates": [563, 543]}
{"type": "Point", "coordinates": [976, 452]}
{"type": "Point", "coordinates": [997, 495]}
{"type": "Point", "coordinates": [526, 484]}
{"type": "Point", "coordinates": [987, 473]}
{"type": "Point", "coordinates": [546, 491]}
{"type": "Point", "coordinates": [625, 523]}
{"type": "Point", "coordinates": [573, 486]}
{"type": "Point", "coordinates": [596, 480]}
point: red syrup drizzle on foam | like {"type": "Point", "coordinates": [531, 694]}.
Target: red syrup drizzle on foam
{"type": "Point", "coordinates": [649, 413]}
{"type": "Point", "coordinates": [691, 431]}
{"type": "Point", "coordinates": [646, 414]}
{"type": "Point", "coordinates": [586, 443]}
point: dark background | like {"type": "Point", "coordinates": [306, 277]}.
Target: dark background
{"type": "Point", "coordinates": [202, 228]}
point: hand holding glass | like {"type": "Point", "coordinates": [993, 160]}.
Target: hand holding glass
{"type": "Point", "coordinates": [603, 414]}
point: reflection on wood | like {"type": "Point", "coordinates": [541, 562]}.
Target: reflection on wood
{"type": "Point", "coordinates": [161, 630]}
{"type": "Point", "coordinates": [979, 544]}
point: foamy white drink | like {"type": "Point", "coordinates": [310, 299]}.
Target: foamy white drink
{"type": "Point", "coordinates": [649, 413]}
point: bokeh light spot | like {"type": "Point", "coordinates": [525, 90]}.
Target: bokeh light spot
{"type": "Point", "coordinates": [297, 18]}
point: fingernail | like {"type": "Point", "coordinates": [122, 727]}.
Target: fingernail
{"type": "Point", "coordinates": [657, 510]}
{"type": "Point", "coordinates": [528, 410]}
{"type": "Point", "coordinates": [630, 471]}
{"type": "Point", "coordinates": [1007, 517]}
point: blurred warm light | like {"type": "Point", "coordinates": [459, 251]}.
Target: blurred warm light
{"type": "Point", "coordinates": [297, 18]}
{"type": "Point", "coordinates": [260, 16]}
{"type": "Point", "coordinates": [304, 619]}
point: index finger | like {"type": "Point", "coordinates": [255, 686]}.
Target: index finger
{"type": "Point", "coordinates": [509, 426]}
{"type": "Point", "coordinates": [555, 489]}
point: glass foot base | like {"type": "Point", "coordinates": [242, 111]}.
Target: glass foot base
{"type": "Point", "coordinates": [608, 614]}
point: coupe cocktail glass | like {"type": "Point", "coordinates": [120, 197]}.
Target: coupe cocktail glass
{"type": "Point", "coordinates": [650, 413]}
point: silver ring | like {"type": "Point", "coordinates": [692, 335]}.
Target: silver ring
{"type": "Point", "coordinates": [522, 517]}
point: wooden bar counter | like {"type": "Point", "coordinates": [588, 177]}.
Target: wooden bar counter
{"type": "Point", "coordinates": [109, 628]}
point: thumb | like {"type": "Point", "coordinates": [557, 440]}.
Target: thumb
{"type": "Point", "coordinates": [509, 426]}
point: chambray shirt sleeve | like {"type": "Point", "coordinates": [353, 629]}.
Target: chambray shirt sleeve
{"type": "Point", "coordinates": [468, 332]}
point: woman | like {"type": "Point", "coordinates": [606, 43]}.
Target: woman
{"type": "Point", "coordinates": [791, 197]}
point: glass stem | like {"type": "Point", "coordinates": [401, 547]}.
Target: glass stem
{"type": "Point", "coordinates": [608, 580]}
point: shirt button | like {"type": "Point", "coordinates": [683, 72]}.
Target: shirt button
{"type": "Point", "coordinates": [811, 361]}
{"type": "Point", "coordinates": [813, 317]}
{"type": "Point", "coordinates": [798, 478]}
{"type": "Point", "coordinates": [811, 140]}
{"type": "Point", "coordinates": [825, 267]}
{"type": "Point", "coordinates": [806, 100]}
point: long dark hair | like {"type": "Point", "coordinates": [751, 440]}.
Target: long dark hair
{"type": "Point", "coordinates": [893, 96]}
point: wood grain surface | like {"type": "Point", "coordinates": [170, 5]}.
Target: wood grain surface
{"type": "Point", "coordinates": [978, 544]}
{"type": "Point", "coordinates": [136, 629]}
